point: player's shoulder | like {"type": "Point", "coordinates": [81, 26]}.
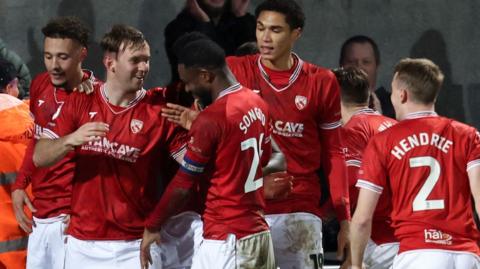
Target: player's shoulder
{"type": "Point", "coordinates": [460, 127]}
{"type": "Point", "coordinates": [245, 60]}
{"type": "Point", "coordinates": [315, 71]}
{"type": "Point", "coordinates": [40, 83]}
{"type": "Point", "coordinates": [156, 96]}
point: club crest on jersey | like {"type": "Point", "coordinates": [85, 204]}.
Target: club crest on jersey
{"type": "Point", "coordinates": [136, 125]}
{"type": "Point", "coordinates": [300, 102]}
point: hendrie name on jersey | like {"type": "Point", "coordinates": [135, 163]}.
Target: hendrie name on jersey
{"type": "Point", "coordinates": [421, 139]}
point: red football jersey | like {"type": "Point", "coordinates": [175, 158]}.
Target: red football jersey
{"type": "Point", "coordinates": [306, 120]}
{"type": "Point", "coordinates": [231, 139]}
{"type": "Point", "coordinates": [116, 178]}
{"type": "Point", "coordinates": [362, 126]}
{"type": "Point", "coordinates": [51, 186]}
{"type": "Point", "coordinates": [424, 161]}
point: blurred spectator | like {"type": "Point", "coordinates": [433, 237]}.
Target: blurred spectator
{"type": "Point", "coordinates": [226, 22]}
{"type": "Point", "coordinates": [362, 52]}
{"type": "Point", "coordinates": [21, 69]}
{"type": "Point", "coordinates": [15, 132]}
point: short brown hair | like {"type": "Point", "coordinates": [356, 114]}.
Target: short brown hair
{"type": "Point", "coordinates": [122, 34]}
{"type": "Point", "coordinates": [354, 87]}
{"type": "Point", "coordinates": [67, 27]}
{"type": "Point", "coordinates": [422, 78]}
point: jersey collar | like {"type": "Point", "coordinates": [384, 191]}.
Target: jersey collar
{"type": "Point", "coordinates": [231, 89]}
{"type": "Point", "coordinates": [420, 114]}
{"type": "Point", "coordinates": [292, 78]}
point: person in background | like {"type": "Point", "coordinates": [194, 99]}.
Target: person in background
{"type": "Point", "coordinates": [362, 52]}
{"type": "Point", "coordinates": [16, 130]}
{"type": "Point", "coordinates": [23, 74]}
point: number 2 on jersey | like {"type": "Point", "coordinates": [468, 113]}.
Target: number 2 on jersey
{"type": "Point", "coordinates": [420, 202]}
{"type": "Point", "coordinates": [253, 184]}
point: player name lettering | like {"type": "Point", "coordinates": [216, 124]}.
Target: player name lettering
{"type": "Point", "coordinates": [251, 116]}
{"type": "Point", "coordinates": [288, 129]}
{"type": "Point", "coordinates": [113, 149]}
{"type": "Point", "coordinates": [421, 139]}
{"type": "Point", "coordinates": [385, 125]}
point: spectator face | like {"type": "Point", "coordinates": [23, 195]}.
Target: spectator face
{"type": "Point", "coordinates": [361, 55]}
{"type": "Point", "coordinates": [197, 83]}
{"type": "Point", "coordinates": [12, 88]}
{"type": "Point", "coordinates": [63, 60]}
{"type": "Point", "coordinates": [275, 39]}
{"type": "Point", "coordinates": [130, 66]}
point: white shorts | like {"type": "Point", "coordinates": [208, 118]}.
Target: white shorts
{"type": "Point", "coordinates": [297, 240]}
{"type": "Point", "coordinates": [181, 236]}
{"type": "Point", "coordinates": [107, 254]}
{"type": "Point", "coordinates": [380, 256]}
{"type": "Point", "coordinates": [253, 251]}
{"type": "Point", "coordinates": [46, 244]}
{"type": "Point", "coordinates": [436, 259]}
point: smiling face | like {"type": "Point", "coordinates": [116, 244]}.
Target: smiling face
{"type": "Point", "coordinates": [63, 60]}
{"type": "Point", "coordinates": [198, 83]}
{"type": "Point", "coordinates": [131, 66]}
{"type": "Point", "coordinates": [275, 38]}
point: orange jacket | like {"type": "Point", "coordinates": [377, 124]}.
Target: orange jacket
{"type": "Point", "coordinates": [16, 125]}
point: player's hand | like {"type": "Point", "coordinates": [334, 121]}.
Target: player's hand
{"type": "Point", "coordinates": [197, 12]}
{"type": "Point", "coordinates": [347, 263]}
{"type": "Point", "coordinates": [148, 239]}
{"type": "Point", "coordinates": [66, 221]}
{"type": "Point", "coordinates": [239, 7]}
{"type": "Point", "coordinates": [277, 185]}
{"type": "Point", "coordinates": [180, 115]}
{"type": "Point", "coordinates": [90, 131]}
{"type": "Point", "coordinates": [85, 87]}
{"type": "Point", "coordinates": [343, 241]}
{"type": "Point", "coordinates": [19, 200]}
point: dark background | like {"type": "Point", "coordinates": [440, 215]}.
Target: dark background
{"type": "Point", "coordinates": [442, 30]}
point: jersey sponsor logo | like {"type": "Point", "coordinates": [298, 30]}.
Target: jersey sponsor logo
{"type": "Point", "coordinates": [300, 102]}
{"type": "Point", "coordinates": [288, 129]}
{"type": "Point", "coordinates": [40, 102]}
{"type": "Point", "coordinates": [421, 139]}
{"type": "Point", "coordinates": [251, 116]}
{"type": "Point", "coordinates": [113, 149]}
{"type": "Point", "coordinates": [92, 114]}
{"type": "Point", "coordinates": [136, 125]}
{"type": "Point", "coordinates": [437, 237]}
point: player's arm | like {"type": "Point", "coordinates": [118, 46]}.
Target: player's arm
{"type": "Point", "coordinates": [473, 169]}
{"type": "Point", "coordinates": [474, 179]}
{"type": "Point", "coordinates": [372, 179]}
{"type": "Point", "coordinates": [201, 147]}
{"type": "Point", "coordinates": [361, 225]}
{"type": "Point", "coordinates": [20, 197]}
{"type": "Point", "coordinates": [277, 162]}
{"type": "Point", "coordinates": [277, 182]}
{"type": "Point", "coordinates": [52, 148]}
{"type": "Point", "coordinates": [333, 160]}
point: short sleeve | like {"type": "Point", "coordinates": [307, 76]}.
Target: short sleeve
{"type": "Point", "coordinates": [473, 158]}
{"type": "Point", "coordinates": [372, 174]}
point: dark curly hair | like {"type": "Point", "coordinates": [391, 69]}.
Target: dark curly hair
{"type": "Point", "coordinates": [67, 27]}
